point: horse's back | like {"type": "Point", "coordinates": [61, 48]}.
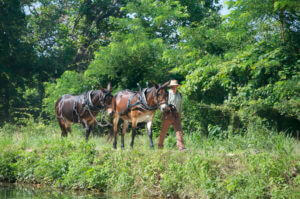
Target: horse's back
{"type": "Point", "coordinates": [67, 104]}
{"type": "Point", "coordinates": [122, 100]}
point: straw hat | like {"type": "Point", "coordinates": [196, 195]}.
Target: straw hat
{"type": "Point", "coordinates": [173, 83]}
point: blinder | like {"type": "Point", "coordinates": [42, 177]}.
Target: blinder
{"type": "Point", "coordinates": [102, 102]}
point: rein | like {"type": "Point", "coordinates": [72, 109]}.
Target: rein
{"type": "Point", "coordinates": [97, 122]}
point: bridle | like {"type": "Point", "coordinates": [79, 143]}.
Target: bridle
{"type": "Point", "coordinates": [142, 103]}
{"type": "Point", "coordinates": [158, 104]}
{"type": "Point", "coordinates": [157, 95]}
{"type": "Point", "coordinates": [103, 104]}
{"type": "Point", "coordinates": [102, 107]}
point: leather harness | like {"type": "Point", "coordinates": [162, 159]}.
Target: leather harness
{"type": "Point", "coordinates": [141, 103]}
{"type": "Point", "coordinates": [87, 105]}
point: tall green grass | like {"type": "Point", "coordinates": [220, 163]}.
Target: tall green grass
{"type": "Point", "coordinates": [259, 164]}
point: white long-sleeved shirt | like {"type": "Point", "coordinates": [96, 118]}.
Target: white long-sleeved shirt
{"type": "Point", "coordinates": [176, 100]}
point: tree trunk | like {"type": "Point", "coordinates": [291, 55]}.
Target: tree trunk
{"type": "Point", "coordinates": [283, 25]}
{"type": "Point", "coordinates": [6, 99]}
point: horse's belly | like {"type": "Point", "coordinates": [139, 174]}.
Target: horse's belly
{"type": "Point", "coordinates": [144, 118]}
{"type": "Point", "coordinates": [138, 117]}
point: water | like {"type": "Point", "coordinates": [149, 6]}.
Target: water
{"type": "Point", "coordinates": [8, 191]}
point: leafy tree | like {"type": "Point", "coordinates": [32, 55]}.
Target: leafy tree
{"type": "Point", "coordinates": [17, 60]}
{"type": "Point", "coordinates": [265, 18]}
{"type": "Point", "coordinates": [69, 83]}
{"type": "Point", "coordinates": [40, 39]}
{"type": "Point", "coordinates": [135, 59]}
{"type": "Point", "coordinates": [199, 10]}
{"type": "Point", "coordinates": [235, 66]}
{"type": "Point", "coordinates": [257, 66]}
{"type": "Point", "coordinates": [135, 53]}
{"type": "Point", "coordinates": [66, 33]}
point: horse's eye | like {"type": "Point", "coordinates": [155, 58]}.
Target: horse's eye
{"type": "Point", "coordinates": [109, 97]}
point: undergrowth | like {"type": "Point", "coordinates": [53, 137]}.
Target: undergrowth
{"type": "Point", "coordinates": [259, 164]}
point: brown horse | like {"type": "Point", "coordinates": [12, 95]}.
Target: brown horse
{"type": "Point", "coordinates": [136, 107]}
{"type": "Point", "coordinates": [82, 109]}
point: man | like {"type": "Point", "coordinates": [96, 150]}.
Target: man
{"type": "Point", "coordinates": [173, 116]}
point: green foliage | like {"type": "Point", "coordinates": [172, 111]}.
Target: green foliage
{"type": "Point", "coordinates": [134, 59]}
{"type": "Point", "coordinates": [239, 76]}
{"type": "Point", "coordinates": [245, 63]}
{"type": "Point", "coordinates": [67, 84]}
{"type": "Point", "coordinates": [211, 120]}
{"type": "Point", "coordinates": [7, 166]}
{"type": "Point", "coordinates": [17, 60]}
{"type": "Point", "coordinates": [40, 40]}
{"type": "Point", "coordinates": [159, 19]}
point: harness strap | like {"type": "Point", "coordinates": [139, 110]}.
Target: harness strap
{"type": "Point", "coordinates": [89, 102]}
{"type": "Point", "coordinates": [87, 105]}
{"type": "Point", "coordinates": [144, 101]}
{"type": "Point", "coordinates": [76, 112]}
{"type": "Point", "coordinates": [136, 103]}
{"type": "Point", "coordinates": [141, 102]}
{"type": "Point", "coordinates": [91, 107]}
{"type": "Point", "coordinates": [129, 106]}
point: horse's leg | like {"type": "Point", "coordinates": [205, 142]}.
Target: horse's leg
{"type": "Point", "coordinates": [149, 128]}
{"type": "Point", "coordinates": [91, 125]}
{"type": "Point", "coordinates": [87, 133]}
{"type": "Point", "coordinates": [69, 130]}
{"type": "Point", "coordinates": [134, 124]}
{"type": "Point", "coordinates": [115, 124]}
{"type": "Point", "coordinates": [63, 128]}
{"type": "Point", "coordinates": [124, 129]}
{"type": "Point", "coordinates": [87, 129]}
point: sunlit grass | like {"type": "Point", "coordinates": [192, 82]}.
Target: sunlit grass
{"type": "Point", "coordinates": [259, 164]}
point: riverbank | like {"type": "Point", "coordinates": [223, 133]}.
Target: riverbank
{"type": "Point", "coordinates": [22, 191]}
{"type": "Point", "coordinates": [260, 164]}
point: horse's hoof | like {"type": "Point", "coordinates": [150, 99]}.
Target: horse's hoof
{"type": "Point", "coordinates": [183, 149]}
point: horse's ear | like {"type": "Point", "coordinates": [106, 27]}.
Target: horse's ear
{"type": "Point", "coordinates": [165, 84]}
{"type": "Point", "coordinates": [155, 84]}
{"type": "Point", "coordinates": [109, 86]}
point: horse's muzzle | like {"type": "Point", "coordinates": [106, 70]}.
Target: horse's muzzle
{"type": "Point", "coordinates": [110, 111]}
{"type": "Point", "coordinates": [163, 107]}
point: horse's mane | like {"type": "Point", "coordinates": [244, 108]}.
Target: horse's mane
{"type": "Point", "coordinates": [149, 89]}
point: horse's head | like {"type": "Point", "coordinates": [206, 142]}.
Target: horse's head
{"type": "Point", "coordinates": [102, 99]}
{"type": "Point", "coordinates": [108, 100]}
{"type": "Point", "coordinates": [159, 96]}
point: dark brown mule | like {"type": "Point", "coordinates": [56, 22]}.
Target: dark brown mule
{"type": "Point", "coordinates": [136, 107]}
{"type": "Point", "coordinates": [82, 109]}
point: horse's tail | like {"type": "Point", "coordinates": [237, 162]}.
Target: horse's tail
{"type": "Point", "coordinates": [57, 107]}
{"type": "Point", "coordinates": [111, 129]}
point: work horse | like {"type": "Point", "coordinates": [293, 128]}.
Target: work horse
{"type": "Point", "coordinates": [82, 109]}
{"type": "Point", "coordinates": [136, 107]}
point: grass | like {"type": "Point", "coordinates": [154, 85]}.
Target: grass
{"type": "Point", "coordinates": [260, 164]}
